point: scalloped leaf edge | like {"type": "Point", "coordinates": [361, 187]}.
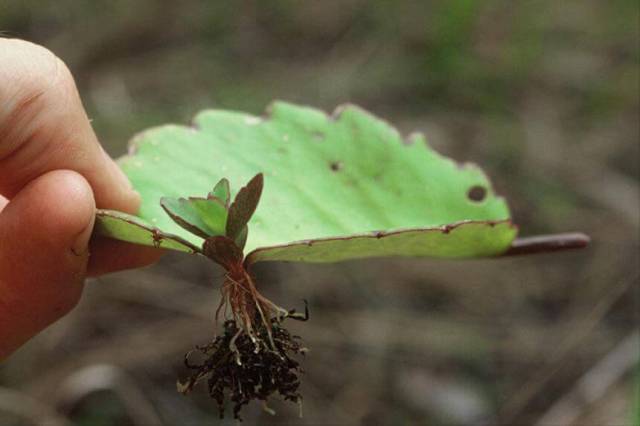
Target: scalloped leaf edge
{"type": "Point", "coordinates": [335, 115]}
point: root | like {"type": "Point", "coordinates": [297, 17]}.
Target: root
{"type": "Point", "coordinates": [242, 369]}
{"type": "Point", "coordinates": [247, 305]}
{"type": "Point", "coordinates": [255, 356]}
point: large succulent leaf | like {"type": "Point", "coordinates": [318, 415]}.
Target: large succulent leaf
{"type": "Point", "coordinates": [330, 181]}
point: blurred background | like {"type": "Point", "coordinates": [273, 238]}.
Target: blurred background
{"type": "Point", "coordinates": [543, 94]}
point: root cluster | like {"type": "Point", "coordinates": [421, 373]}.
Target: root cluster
{"type": "Point", "coordinates": [248, 367]}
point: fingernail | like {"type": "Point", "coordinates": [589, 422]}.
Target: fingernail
{"type": "Point", "coordinates": [137, 200]}
{"type": "Point", "coordinates": [124, 180]}
{"type": "Point", "coordinates": [128, 192]}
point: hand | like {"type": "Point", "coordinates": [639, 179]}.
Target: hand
{"type": "Point", "coordinates": [53, 174]}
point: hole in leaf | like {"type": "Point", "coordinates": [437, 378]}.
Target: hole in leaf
{"type": "Point", "coordinates": [477, 193]}
{"type": "Point", "coordinates": [336, 166]}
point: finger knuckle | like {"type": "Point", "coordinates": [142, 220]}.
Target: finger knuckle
{"type": "Point", "coordinates": [32, 80]}
{"type": "Point", "coordinates": [35, 71]}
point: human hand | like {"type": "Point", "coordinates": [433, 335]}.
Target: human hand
{"type": "Point", "coordinates": [53, 174]}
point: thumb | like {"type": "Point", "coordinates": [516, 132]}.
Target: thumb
{"type": "Point", "coordinates": [44, 235]}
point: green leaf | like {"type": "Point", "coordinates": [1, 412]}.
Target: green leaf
{"type": "Point", "coordinates": [241, 239]}
{"type": "Point", "coordinates": [205, 217]}
{"type": "Point", "coordinates": [243, 206]}
{"type": "Point", "coordinates": [330, 181]}
{"type": "Point", "coordinates": [222, 191]}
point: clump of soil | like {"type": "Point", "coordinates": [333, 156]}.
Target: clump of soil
{"type": "Point", "coordinates": [249, 366]}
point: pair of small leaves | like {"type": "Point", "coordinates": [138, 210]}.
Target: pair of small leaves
{"type": "Point", "coordinates": [214, 217]}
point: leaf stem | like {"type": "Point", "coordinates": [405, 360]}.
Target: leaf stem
{"type": "Point", "coordinates": [547, 243]}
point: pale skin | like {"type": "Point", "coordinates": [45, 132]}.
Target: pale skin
{"type": "Point", "coordinates": [53, 176]}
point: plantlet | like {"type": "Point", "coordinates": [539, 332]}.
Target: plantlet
{"type": "Point", "coordinates": [336, 187]}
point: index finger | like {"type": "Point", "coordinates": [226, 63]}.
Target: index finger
{"type": "Point", "coordinates": [44, 127]}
